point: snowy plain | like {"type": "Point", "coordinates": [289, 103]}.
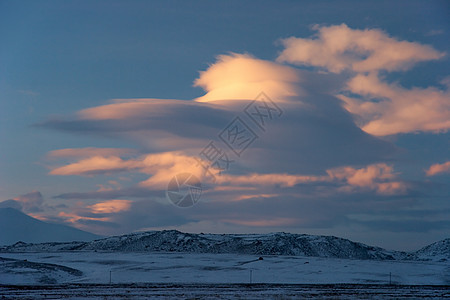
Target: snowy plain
{"type": "Point", "coordinates": [138, 275]}
{"type": "Point", "coordinates": [142, 267]}
{"type": "Point", "coordinates": [176, 265]}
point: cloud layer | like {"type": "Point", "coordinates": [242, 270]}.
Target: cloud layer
{"type": "Point", "coordinates": [316, 160]}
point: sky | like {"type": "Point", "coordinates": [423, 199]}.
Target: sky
{"type": "Point", "coordinates": [316, 117]}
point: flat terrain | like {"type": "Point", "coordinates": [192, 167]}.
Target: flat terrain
{"type": "Point", "coordinates": [118, 275]}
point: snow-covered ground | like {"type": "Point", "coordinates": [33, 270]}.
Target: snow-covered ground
{"type": "Point", "coordinates": [141, 267]}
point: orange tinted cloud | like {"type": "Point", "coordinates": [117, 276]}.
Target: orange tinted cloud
{"type": "Point", "coordinates": [438, 169]}
{"type": "Point", "coordinates": [246, 197]}
{"type": "Point", "coordinates": [31, 202]}
{"type": "Point", "coordinates": [378, 177]}
{"type": "Point", "coordinates": [130, 108]}
{"type": "Point", "coordinates": [73, 217]}
{"type": "Point", "coordinates": [96, 165]}
{"type": "Point", "coordinates": [110, 206]}
{"type": "Point", "coordinates": [381, 108]}
{"type": "Point", "coordinates": [161, 166]}
{"type": "Point", "coordinates": [338, 48]}
{"type": "Point", "coordinates": [241, 76]}
{"type": "Point", "coordinates": [164, 166]}
{"type": "Point", "coordinates": [396, 109]}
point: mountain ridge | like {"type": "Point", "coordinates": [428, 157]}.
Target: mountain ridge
{"type": "Point", "coordinates": [17, 226]}
{"type": "Point", "coordinates": [256, 244]}
{"type": "Point", "coordinates": [30, 234]}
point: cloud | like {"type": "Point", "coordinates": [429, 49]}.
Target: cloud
{"type": "Point", "coordinates": [165, 125]}
{"type": "Point", "coordinates": [386, 109]}
{"type": "Point", "coordinates": [438, 169]}
{"type": "Point", "coordinates": [241, 76]}
{"type": "Point", "coordinates": [161, 166]}
{"type": "Point", "coordinates": [312, 167]}
{"type": "Point", "coordinates": [378, 177]}
{"type": "Point", "coordinates": [157, 124]}
{"type": "Point", "coordinates": [74, 218]}
{"type": "Point", "coordinates": [96, 165]}
{"type": "Point", "coordinates": [31, 202]}
{"type": "Point", "coordinates": [284, 180]}
{"type": "Point", "coordinates": [338, 48]}
{"type": "Point", "coordinates": [434, 32]}
{"type": "Point", "coordinates": [89, 152]}
{"type": "Point", "coordinates": [111, 206]}
{"type": "Point", "coordinates": [380, 108]}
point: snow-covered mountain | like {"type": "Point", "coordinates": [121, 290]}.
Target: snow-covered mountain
{"type": "Point", "coordinates": [258, 244]}
{"type": "Point", "coordinates": [16, 226]}
{"type": "Point", "coordinates": [439, 251]}
{"type": "Point", "coordinates": [255, 244]}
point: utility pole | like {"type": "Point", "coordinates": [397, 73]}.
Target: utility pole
{"type": "Point", "coordinates": [251, 271]}
{"type": "Point", "coordinates": [109, 276]}
{"type": "Point", "coordinates": [390, 278]}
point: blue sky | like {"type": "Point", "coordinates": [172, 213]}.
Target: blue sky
{"type": "Point", "coordinates": [59, 58]}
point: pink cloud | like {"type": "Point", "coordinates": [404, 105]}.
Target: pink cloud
{"type": "Point", "coordinates": [377, 177]}
{"type": "Point", "coordinates": [338, 48]}
{"type": "Point", "coordinates": [131, 108]}
{"type": "Point", "coordinates": [396, 109]}
{"type": "Point", "coordinates": [162, 167]}
{"type": "Point", "coordinates": [96, 165]}
{"type": "Point", "coordinates": [438, 169]}
{"type": "Point", "coordinates": [381, 108]}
